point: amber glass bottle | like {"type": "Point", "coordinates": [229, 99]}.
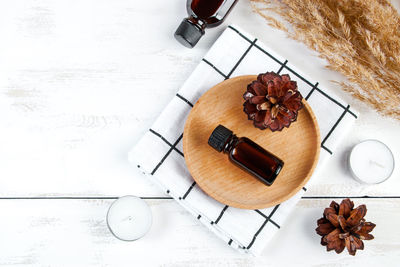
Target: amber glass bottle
{"type": "Point", "coordinates": [202, 14]}
{"type": "Point", "coordinates": [246, 154]}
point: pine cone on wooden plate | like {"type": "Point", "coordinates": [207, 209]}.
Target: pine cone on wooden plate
{"type": "Point", "coordinates": [272, 101]}
{"type": "Point", "coordinates": [342, 226]}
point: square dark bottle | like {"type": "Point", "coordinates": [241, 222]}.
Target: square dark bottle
{"type": "Point", "coordinates": [202, 14]}
{"type": "Point", "coordinates": [246, 154]}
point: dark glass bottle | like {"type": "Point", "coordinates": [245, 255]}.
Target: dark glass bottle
{"type": "Point", "coordinates": [202, 14]}
{"type": "Point", "coordinates": [246, 154]}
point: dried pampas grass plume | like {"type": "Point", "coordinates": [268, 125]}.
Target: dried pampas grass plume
{"type": "Point", "coordinates": [358, 38]}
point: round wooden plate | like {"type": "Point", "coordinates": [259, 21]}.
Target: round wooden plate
{"type": "Point", "coordinates": [298, 146]}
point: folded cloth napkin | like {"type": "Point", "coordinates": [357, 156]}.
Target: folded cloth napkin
{"type": "Point", "coordinates": [159, 153]}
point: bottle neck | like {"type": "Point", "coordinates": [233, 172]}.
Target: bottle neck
{"type": "Point", "coordinates": [231, 143]}
{"type": "Point", "coordinates": [198, 22]}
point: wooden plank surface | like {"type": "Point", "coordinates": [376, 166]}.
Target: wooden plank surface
{"type": "Point", "coordinates": [74, 232]}
{"type": "Point", "coordinates": [80, 82]}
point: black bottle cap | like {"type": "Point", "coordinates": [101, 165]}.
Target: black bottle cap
{"type": "Point", "coordinates": [219, 137]}
{"type": "Point", "coordinates": [188, 34]}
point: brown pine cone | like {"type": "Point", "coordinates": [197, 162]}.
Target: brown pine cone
{"type": "Point", "coordinates": [342, 226]}
{"type": "Point", "coordinates": [272, 101]}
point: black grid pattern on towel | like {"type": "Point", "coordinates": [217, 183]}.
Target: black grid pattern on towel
{"type": "Point", "coordinates": [267, 219]}
{"type": "Point", "coordinates": [283, 65]}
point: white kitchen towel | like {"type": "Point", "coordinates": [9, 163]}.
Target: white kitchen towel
{"type": "Point", "coordinates": [159, 153]}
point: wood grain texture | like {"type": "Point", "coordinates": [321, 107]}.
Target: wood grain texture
{"type": "Point", "coordinates": [80, 83]}
{"type": "Point", "coordinates": [298, 146]}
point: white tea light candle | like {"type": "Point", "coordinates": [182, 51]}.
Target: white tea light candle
{"type": "Point", "coordinates": [371, 161]}
{"type": "Point", "coordinates": [129, 218]}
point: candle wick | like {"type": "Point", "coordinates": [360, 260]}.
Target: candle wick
{"type": "Point", "coordinates": [128, 218]}
{"type": "Point", "coordinates": [376, 163]}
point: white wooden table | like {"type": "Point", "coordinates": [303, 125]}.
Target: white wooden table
{"type": "Point", "coordinates": [80, 82]}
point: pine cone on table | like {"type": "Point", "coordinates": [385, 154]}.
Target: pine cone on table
{"type": "Point", "coordinates": [342, 226]}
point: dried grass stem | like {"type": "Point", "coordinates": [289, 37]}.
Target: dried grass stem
{"type": "Point", "coordinates": [358, 38]}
